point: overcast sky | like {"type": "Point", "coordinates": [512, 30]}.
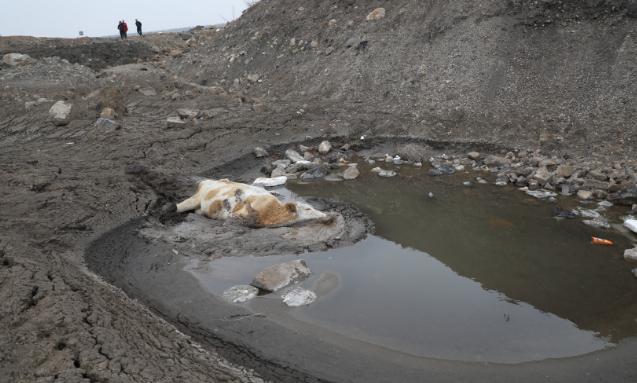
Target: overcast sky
{"type": "Point", "coordinates": [65, 18]}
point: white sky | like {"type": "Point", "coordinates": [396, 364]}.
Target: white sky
{"type": "Point", "coordinates": [65, 18]}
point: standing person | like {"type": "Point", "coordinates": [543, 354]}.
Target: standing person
{"type": "Point", "coordinates": [125, 29]}
{"type": "Point", "coordinates": [120, 28]}
{"type": "Point", "coordinates": [139, 27]}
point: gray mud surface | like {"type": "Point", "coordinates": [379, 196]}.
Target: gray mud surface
{"type": "Point", "coordinates": [554, 76]}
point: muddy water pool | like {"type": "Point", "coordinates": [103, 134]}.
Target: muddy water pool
{"type": "Point", "coordinates": [477, 273]}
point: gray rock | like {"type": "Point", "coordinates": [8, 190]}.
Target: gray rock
{"type": "Point", "coordinates": [298, 297]}
{"type": "Point", "coordinates": [584, 194]}
{"type": "Point", "coordinates": [15, 59]}
{"type": "Point", "coordinates": [542, 175]}
{"type": "Point", "coordinates": [496, 161]}
{"type": "Point", "coordinates": [293, 155]}
{"type": "Point", "coordinates": [595, 184]}
{"type": "Point", "coordinates": [259, 152]}
{"type": "Point", "coordinates": [148, 92]}
{"type": "Point", "coordinates": [597, 174]}
{"type": "Point", "coordinates": [351, 172]}
{"type": "Point", "coordinates": [175, 122]}
{"type": "Point", "coordinates": [473, 156]}
{"type": "Point", "coordinates": [325, 147]}
{"type": "Point", "coordinates": [60, 113]}
{"type": "Point", "coordinates": [631, 254]}
{"type": "Point", "coordinates": [276, 277]}
{"type": "Point", "coordinates": [240, 294]}
{"type": "Point", "coordinates": [281, 163]}
{"type": "Point", "coordinates": [387, 173]}
{"type": "Point", "coordinates": [188, 114]}
{"type": "Point", "coordinates": [599, 223]}
{"type": "Point", "coordinates": [107, 123]}
{"type": "Point", "coordinates": [441, 170]}
{"type": "Point", "coordinates": [253, 77]}
{"type": "Point", "coordinates": [315, 173]}
{"type": "Point", "coordinates": [631, 224]}
{"type": "Point", "coordinates": [564, 171]}
{"type": "Point", "coordinates": [539, 194]}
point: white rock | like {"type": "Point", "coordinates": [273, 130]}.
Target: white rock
{"type": "Point", "coordinates": [631, 224]}
{"type": "Point", "coordinates": [418, 164]}
{"type": "Point", "coordinates": [600, 223]}
{"type": "Point", "coordinates": [259, 152]}
{"type": "Point", "coordinates": [376, 14]}
{"type": "Point", "coordinates": [586, 213]}
{"type": "Point", "coordinates": [281, 163]}
{"type": "Point", "coordinates": [584, 194]}
{"type": "Point", "coordinates": [325, 147]}
{"type": "Point", "coordinates": [298, 297]}
{"type": "Point", "coordinates": [253, 77]}
{"type": "Point", "coordinates": [294, 156]}
{"type": "Point", "coordinates": [270, 182]}
{"type": "Point", "coordinates": [187, 113]}
{"type": "Point", "coordinates": [473, 156]}
{"type": "Point", "coordinates": [14, 59]}
{"type": "Point", "coordinates": [387, 173]}
{"type": "Point", "coordinates": [60, 113]}
{"type": "Point", "coordinates": [148, 92]}
{"type": "Point", "coordinates": [631, 254]}
{"type": "Point", "coordinates": [240, 294]}
{"type": "Point", "coordinates": [276, 277]}
{"type": "Point", "coordinates": [388, 158]}
{"type": "Point", "coordinates": [376, 170]}
{"type": "Point", "coordinates": [540, 194]}
{"type": "Point", "coordinates": [351, 173]}
{"type": "Point", "coordinates": [175, 122]}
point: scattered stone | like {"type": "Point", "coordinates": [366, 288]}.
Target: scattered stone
{"type": "Point", "coordinates": [148, 92]}
{"type": "Point", "coordinates": [599, 223]}
{"type": "Point", "coordinates": [584, 194]}
{"type": "Point", "coordinates": [418, 164]}
{"type": "Point", "coordinates": [371, 161]}
{"type": "Point", "coordinates": [333, 178]}
{"type": "Point", "coordinates": [387, 173]}
{"type": "Point", "coordinates": [294, 156]}
{"type": "Point", "coordinates": [397, 160]}
{"type": "Point", "coordinates": [297, 297]}
{"type": "Point", "coordinates": [441, 170]}
{"type": "Point", "coordinates": [351, 173]}
{"type": "Point", "coordinates": [604, 204]}
{"type": "Point", "coordinates": [598, 175]}
{"type": "Point", "coordinates": [281, 163]}
{"type": "Point", "coordinates": [325, 147]}
{"type": "Point", "coordinates": [388, 158]}
{"type": "Point", "coordinates": [564, 171]}
{"type": "Point", "coordinates": [376, 14]}
{"type": "Point", "coordinates": [542, 175]}
{"type": "Point", "coordinates": [107, 123]}
{"type": "Point", "coordinates": [259, 152]}
{"type": "Point", "coordinates": [631, 254]}
{"type": "Point", "coordinates": [278, 172]}
{"type": "Point", "coordinates": [496, 161]}
{"type": "Point", "coordinates": [627, 197]}
{"type": "Point", "coordinates": [481, 180]}
{"type": "Point", "coordinates": [240, 294]}
{"type": "Point", "coordinates": [539, 194]}
{"type": "Point", "coordinates": [276, 277]}
{"type": "Point", "coordinates": [270, 182]}
{"type": "Point", "coordinates": [631, 224]}
{"type": "Point", "coordinates": [586, 213]}
{"type": "Point", "coordinates": [187, 114]}
{"type": "Point", "coordinates": [60, 113]}
{"type": "Point", "coordinates": [376, 170]}
{"type": "Point", "coordinates": [175, 122]}
{"type": "Point", "coordinates": [314, 173]}
{"type": "Point", "coordinates": [561, 213]}
{"type": "Point", "coordinates": [253, 77]}
{"type": "Point", "coordinates": [15, 59]}
{"type": "Point", "coordinates": [475, 156]}
{"type": "Point", "coordinates": [108, 113]}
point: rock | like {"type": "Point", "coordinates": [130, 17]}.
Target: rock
{"type": "Point", "coordinates": [586, 213]}
{"type": "Point", "coordinates": [481, 181]}
{"type": "Point", "coordinates": [351, 173]}
{"type": "Point", "coordinates": [293, 155]}
{"type": "Point", "coordinates": [308, 156]}
{"type": "Point", "coordinates": [389, 159]}
{"type": "Point", "coordinates": [259, 152]}
{"type": "Point", "coordinates": [584, 194]}
{"type": "Point", "coordinates": [441, 170]}
{"type": "Point", "coordinates": [542, 176]}
{"type": "Point", "coordinates": [473, 156]}
{"type": "Point", "coordinates": [253, 77]}
{"type": "Point", "coordinates": [635, 272]}
{"type": "Point", "coordinates": [175, 122]}
{"type": "Point", "coordinates": [148, 92]}
{"type": "Point", "coordinates": [240, 294]}
{"type": "Point", "coordinates": [107, 123]}
{"type": "Point", "coordinates": [627, 197]}
{"type": "Point", "coordinates": [333, 178]}
{"type": "Point", "coordinates": [187, 114]}
{"type": "Point", "coordinates": [595, 184]}
{"type": "Point", "coordinates": [418, 164]}
{"type": "Point", "coordinates": [376, 170]}
{"type": "Point", "coordinates": [314, 173]}
{"type": "Point", "coordinates": [599, 223]}
{"type": "Point", "coordinates": [276, 277]}
{"type": "Point", "coordinates": [298, 297]}
{"type": "Point", "coordinates": [631, 224]}
{"type": "Point", "coordinates": [564, 171]}
{"type": "Point", "coordinates": [631, 254]}
{"type": "Point", "coordinates": [597, 174]}
{"type": "Point", "coordinates": [60, 113]}
{"type": "Point", "coordinates": [376, 14]}
{"type": "Point", "coordinates": [466, 183]}
{"type": "Point", "coordinates": [496, 161]}
{"type": "Point", "coordinates": [270, 182]}
{"type": "Point", "coordinates": [278, 172]}
{"type": "Point", "coordinates": [281, 163]}
{"type": "Point", "coordinates": [539, 194]}
{"type": "Point", "coordinates": [387, 173]}
{"type": "Point", "coordinates": [325, 147]}
{"type": "Point", "coordinates": [15, 59]}
{"type": "Point", "coordinates": [108, 113]}
{"type": "Point", "coordinates": [397, 160]}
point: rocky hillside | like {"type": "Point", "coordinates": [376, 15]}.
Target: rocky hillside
{"type": "Point", "coordinates": [552, 74]}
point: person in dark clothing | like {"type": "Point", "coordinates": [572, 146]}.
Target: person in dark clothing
{"type": "Point", "coordinates": [139, 27]}
{"type": "Point", "coordinates": [123, 30]}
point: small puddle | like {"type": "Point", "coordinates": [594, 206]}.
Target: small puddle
{"type": "Point", "coordinates": [475, 273]}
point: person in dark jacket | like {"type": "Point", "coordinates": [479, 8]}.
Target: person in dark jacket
{"type": "Point", "coordinates": [123, 30]}
{"type": "Point", "coordinates": [139, 27]}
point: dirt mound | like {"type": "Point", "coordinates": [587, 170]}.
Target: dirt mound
{"type": "Point", "coordinates": [548, 74]}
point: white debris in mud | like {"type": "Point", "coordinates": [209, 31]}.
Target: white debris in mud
{"type": "Point", "coordinates": [540, 194]}
{"type": "Point", "coordinates": [631, 224]}
{"type": "Point", "coordinates": [270, 182]}
{"type": "Point", "coordinates": [298, 297]}
{"type": "Point", "coordinates": [387, 173]}
{"type": "Point", "coordinates": [631, 254]}
{"type": "Point", "coordinates": [60, 113]}
{"type": "Point", "coordinates": [240, 294]}
{"type": "Point", "coordinates": [276, 277]}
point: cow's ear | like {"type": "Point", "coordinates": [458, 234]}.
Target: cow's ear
{"type": "Point", "coordinates": [291, 207]}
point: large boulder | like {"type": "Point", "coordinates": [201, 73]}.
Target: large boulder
{"type": "Point", "coordinates": [15, 59]}
{"type": "Point", "coordinates": [60, 113]}
{"type": "Point", "coordinates": [276, 277]}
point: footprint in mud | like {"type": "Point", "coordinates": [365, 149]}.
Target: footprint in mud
{"type": "Point", "coordinates": [326, 284]}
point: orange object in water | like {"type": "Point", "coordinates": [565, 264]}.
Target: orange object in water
{"type": "Point", "coordinates": [601, 241]}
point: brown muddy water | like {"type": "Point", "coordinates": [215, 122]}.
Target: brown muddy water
{"type": "Point", "coordinates": [479, 274]}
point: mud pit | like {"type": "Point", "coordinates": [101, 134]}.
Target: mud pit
{"type": "Point", "coordinates": [497, 279]}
